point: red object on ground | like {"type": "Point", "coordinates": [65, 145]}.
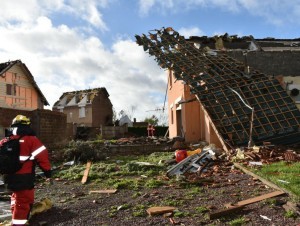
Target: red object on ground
{"type": "Point", "coordinates": [180, 155]}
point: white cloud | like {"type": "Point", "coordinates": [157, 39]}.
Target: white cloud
{"type": "Point", "coordinates": [190, 31]}
{"type": "Point", "coordinates": [145, 6]}
{"type": "Point", "coordinates": [26, 11]}
{"type": "Point", "coordinates": [62, 59]}
{"type": "Point", "coordinates": [277, 12]}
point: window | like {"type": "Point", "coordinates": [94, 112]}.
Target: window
{"type": "Point", "coordinates": [11, 89]}
{"type": "Point", "coordinates": [81, 112]}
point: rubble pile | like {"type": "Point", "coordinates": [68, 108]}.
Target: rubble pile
{"type": "Point", "coordinates": [265, 154]}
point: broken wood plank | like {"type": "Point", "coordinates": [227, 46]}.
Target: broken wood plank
{"type": "Point", "coordinates": [160, 210]}
{"type": "Point", "coordinates": [259, 198]}
{"type": "Point", "coordinates": [224, 212]}
{"type": "Point", "coordinates": [111, 191]}
{"type": "Point", "coordinates": [256, 199]}
{"type": "Point", "coordinates": [86, 172]}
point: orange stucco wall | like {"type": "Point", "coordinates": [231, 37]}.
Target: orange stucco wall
{"type": "Point", "coordinates": [25, 96]}
{"type": "Point", "coordinates": [194, 121]}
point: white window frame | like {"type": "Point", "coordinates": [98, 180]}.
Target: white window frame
{"type": "Point", "coordinates": [82, 112]}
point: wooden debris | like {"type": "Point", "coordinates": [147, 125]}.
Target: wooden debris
{"type": "Point", "coordinates": [224, 212]}
{"type": "Point", "coordinates": [289, 156]}
{"type": "Point", "coordinates": [256, 199]}
{"type": "Point", "coordinates": [231, 208]}
{"type": "Point", "coordinates": [160, 210]}
{"type": "Point", "coordinates": [86, 172]}
{"type": "Point", "coordinates": [111, 191]}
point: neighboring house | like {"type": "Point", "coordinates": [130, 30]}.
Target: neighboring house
{"type": "Point", "coordinates": [88, 108]}
{"type": "Point", "coordinates": [19, 94]}
{"type": "Point", "coordinates": [212, 95]}
{"type": "Point", "coordinates": [139, 124]}
{"type": "Point", "coordinates": [18, 90]}
{"type": "Point", "coordinates": [125, 120]}
{"type": "Point", "coordinates": [273, 57]}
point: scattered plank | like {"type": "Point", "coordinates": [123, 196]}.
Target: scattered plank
{"type": "Point", "coordinates": [86, 172]}
{"type": "Point", "coordinates": [111, 191]}
{"type": "Point", "coordinates": [160, 210]}
{"type": "Point", "coordinates": [255, 199]}
{"type": "Point", "coordinates": [225, 212]}
{"type": "Point", "coordinates": [231, 208]}
{"type": "Point", "coordinates": [259, 198]}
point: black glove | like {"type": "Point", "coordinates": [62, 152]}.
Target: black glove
{"type": "Point", "coordinates": [48, 173]}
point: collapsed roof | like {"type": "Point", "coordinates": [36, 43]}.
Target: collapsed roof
{"type": "Point", "coordinates": [79, 98]}
{"type": "Point", "coordinates": [227, 90]}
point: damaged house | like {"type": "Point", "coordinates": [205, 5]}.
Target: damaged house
{"type": "Point", "coordinates": [20, 94]}
{"type": "Point", "coordinates": [86, 108]}
{"type": "Point", "coordinates": [213, 96]}
{"type": "Point", "coordinates": [18, 89]}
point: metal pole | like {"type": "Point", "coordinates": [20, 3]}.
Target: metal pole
{"type": "Point", "coordinates": [250, 143]}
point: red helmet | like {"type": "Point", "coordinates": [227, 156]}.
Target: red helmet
{"type": "Point", "coordinates": [180, 155]}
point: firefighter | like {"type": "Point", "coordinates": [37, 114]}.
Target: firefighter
{"type": "Point", "coordinates": [21, 184]}
{"type": "Point", "coordinates": [150, 130]}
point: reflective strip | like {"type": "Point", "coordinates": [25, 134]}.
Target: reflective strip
{"type": "Point", "coordinates": [19, 221]}
{"type": "Point", "coordinates": [15, 130]}
{"type": "Point", "coordinates": [24, 158]}
{"type": "Point", "coordinates": [37, 151]}
{"type": "Point", "coordinates": [33, 154]}
{"type": "Point", "coordinates": [21, 141]}
{"type": "Point", "coordinates": [13, 202]}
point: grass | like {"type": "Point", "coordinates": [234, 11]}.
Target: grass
{"type": "Point", "coordinates": [123, 172]}
{"type": "Point", "coordinates": [202, 209]}
{"type": "Point", "coordinates": [285, 175]}
{"type": "Point", "coordinates": [237, 221]}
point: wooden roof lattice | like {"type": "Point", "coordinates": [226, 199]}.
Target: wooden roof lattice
{"type": "Point", "coordinates": [226, 88]}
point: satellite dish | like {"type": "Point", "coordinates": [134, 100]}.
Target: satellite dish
{"type": "Point", "coordinates": [294, 92]}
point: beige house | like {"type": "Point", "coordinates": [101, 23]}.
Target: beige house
{"type": "Point", "coordinates": [18, 90]}
{"type": "Point", "coordinates": [88, 108]}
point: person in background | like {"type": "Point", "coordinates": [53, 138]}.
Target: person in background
{"type": "Point", "coordinates": [150, 130]}
{"type": "Point", "coordinates": [32, 153]}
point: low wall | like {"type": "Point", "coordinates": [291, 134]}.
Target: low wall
{"type": "Point", "coordinates": [106, 132]}
{"type": "Point", "coordinates": [49, 126]}
{"type": "Point", "coordinates": [145, 149]}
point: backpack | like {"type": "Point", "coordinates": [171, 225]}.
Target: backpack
{"type": "Point", "coordinates": [10, 157]}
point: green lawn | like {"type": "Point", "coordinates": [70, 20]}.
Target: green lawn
{"type": "Point", "coordinates": [285, 175]}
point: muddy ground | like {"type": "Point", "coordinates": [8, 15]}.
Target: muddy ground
{"type": "Point", "coordinates": [74, 205]}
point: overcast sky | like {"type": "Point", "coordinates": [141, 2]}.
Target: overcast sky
{"type": "Point", "coordinates": [73, 45]}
